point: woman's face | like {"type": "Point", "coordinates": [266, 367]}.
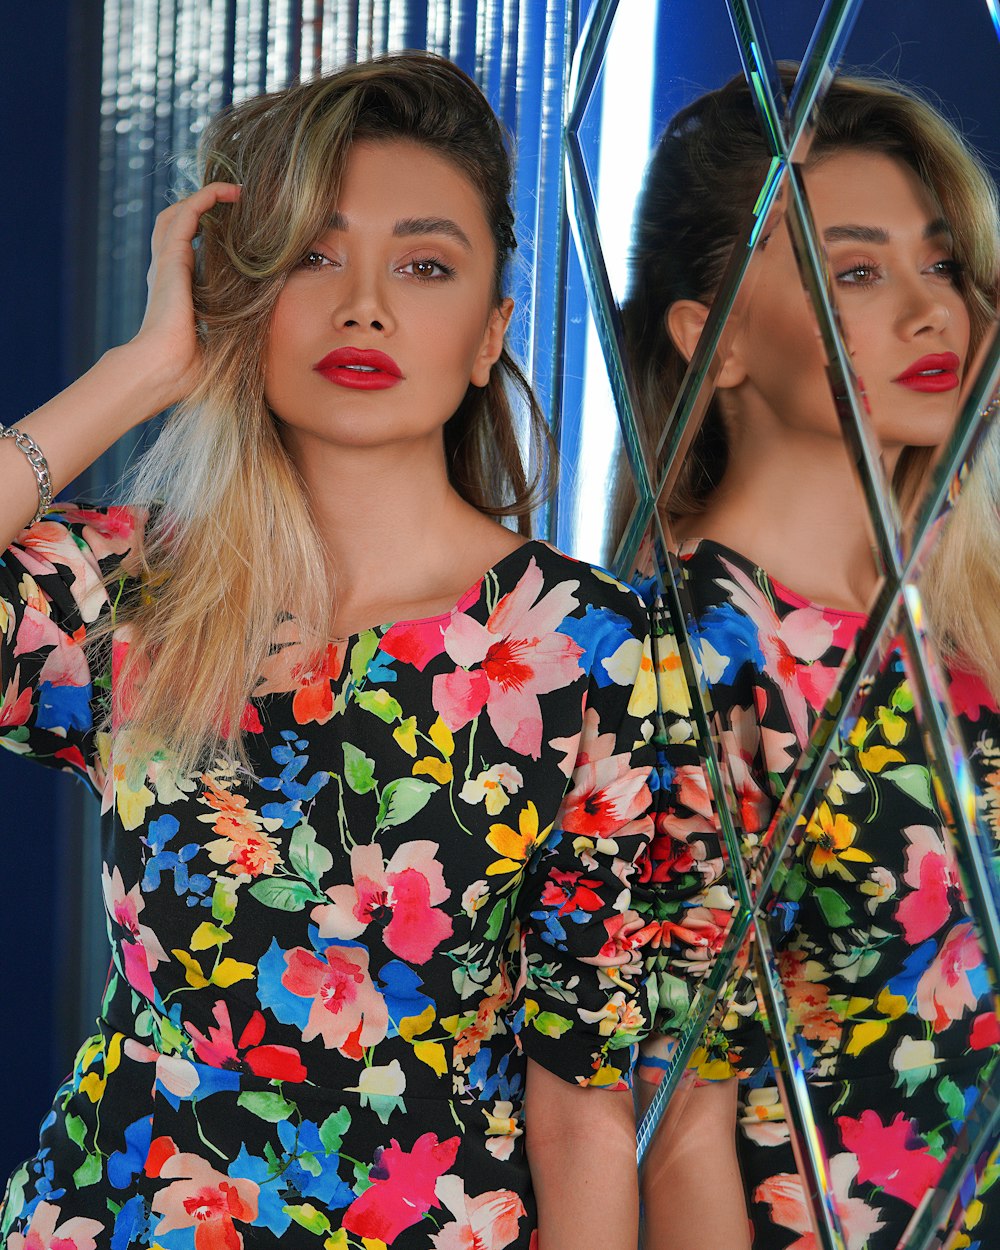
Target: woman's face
{"type": "Point", "coordinates": [897, 292]}
{"type": "Point", "coordinates": [390, 314]}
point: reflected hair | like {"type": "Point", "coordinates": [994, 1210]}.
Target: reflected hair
{"type": "Point", "coordinates": [701, 184]}
{"type": "Point", "coordinates": [230, 545]}
{"type": "Point", "coordinates": [961, 580]}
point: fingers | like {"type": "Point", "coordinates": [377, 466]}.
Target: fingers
{"type": "Point", "coordinates": [179, 222]}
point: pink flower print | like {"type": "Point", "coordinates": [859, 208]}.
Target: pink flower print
{"type": "Point", "coordinates": [206, 1200]}
{"type": "Point", "coordinates": [348, 1013]}
{"type": "Point", "coordinates": [416, 642]}
{"type": "Point", "coordinates": [785, 1196]}
{"type": "Point", "coordinates": [933, 878]}
{"type": "Point", "coordinates": [144, 952]}
{"type": "Point", "coordinates": [406, 890]}
{"type": "Point", "coordinates": [486, 1222]}
{"type": "Point", "coordinates": [15, 704]}
{"type": "Point", "coordinates": [402, 1188]}
{"type": "Point", "coordinates": [107, 531]}
{"type": "Point", "coordinates": [607, 796]}
{"type": "Point", "coordinates": [49, 543]}
{"type": "Point", "coordinates": [75, 1233]}
{"type": "Point", "coordinates": [945, 991]}
{"type": "Point", "coordinates": [587, 747]}
{"type": "Point", "coordinates": [969, 694]}
{"type": "Point", "coordinates": [893, 1156]}
{"type": "Point", "coordinates": [508, 662]}
{"type": "Point", "coordinates": [789, 645]}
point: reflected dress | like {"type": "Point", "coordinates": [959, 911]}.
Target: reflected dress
{"type": "Point", "coordinates": [882, 965]}
{"type": "Point", "coordinates": [328, 972]}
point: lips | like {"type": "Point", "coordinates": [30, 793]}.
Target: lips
{"type": "Point", "coordinates": [360, 369]}
{"type": "Point", "coordinates": [932, 374]}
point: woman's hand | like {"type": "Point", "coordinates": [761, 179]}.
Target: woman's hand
{"type": "Point", "coordinates": [168, 338]}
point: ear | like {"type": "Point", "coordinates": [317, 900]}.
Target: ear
{"type": "Point", "coordinates": [492, 344]}
{"type": "Point", "coordinates": [685, 320]}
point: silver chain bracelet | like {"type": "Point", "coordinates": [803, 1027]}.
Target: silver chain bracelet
{"type": "Point", "coordinates": [39, 466]}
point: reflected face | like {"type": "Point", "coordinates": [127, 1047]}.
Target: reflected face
{"type": "Point", "coordinates": [390, 315]}
{"type": "Point", "coordinates": [896, 286]}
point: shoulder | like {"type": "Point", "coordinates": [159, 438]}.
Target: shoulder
{"type": "Point", "coordinates": [591, 587]}
{"type": "Point", "coordinates": [108, 535]}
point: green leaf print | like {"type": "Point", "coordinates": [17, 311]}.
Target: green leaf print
{"type": "Point", "coordinates": [495, 923]}
{"type": "Point", "coordinates": [282, 894]}
{"type": "Point", "coordinates": [333, 1128]}
{"type": "Point", "coordinates": [361, 654]}
{"type": "Point", "coordinates": [309, 858]}
{"type": "Point", "coordinates": [914, 780]}
{"type": "Point", "coordinates": [359, 770]}
{"type": "Point", "coordinates": [266, 1106]}
{"type": "Point", "coordinates": [550, 1024]}
{"type": "Point", "coordinates": [953, 1099]}
{"type": "Point", "coordinates": [89, 1172]}
{"type": "Point", "coordinates": [402, 799]}
{"type": "Point", "coordinates": [311, 1219]}
{"type": "Point", "coordinates": [835, 910]}
{"type": "Point", "coordinates": [224, 901]}
{"type": "Point", "coordinates": [382, 704]}
{"type": "Point", "coordinates": [76, 1130]}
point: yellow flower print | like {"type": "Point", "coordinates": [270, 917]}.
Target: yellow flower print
{"type": "Point", "coordinates": [130, 803]}
{"type": "Point", "coordinates": [893, 726]}
{"type": "Point", "coordinates": [833, 837]}
{"type": "Point", "coordinates": [442, 738]}
{"type": "Point", "coordinates": [674, 695]}
{"type": "Point", "coordinates": [875, 758]}
{"type": "Point", "coordinates": [493, 787]}
{"type": "Point", "coordinates": [405, 734]}
{"type": "Point", "coordinates": [516, 846]}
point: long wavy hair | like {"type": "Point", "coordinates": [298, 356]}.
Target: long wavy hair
{"type": "Point", "coordinates": [701, 184]}
{"type": "Point", "coordinates": [230, 546]}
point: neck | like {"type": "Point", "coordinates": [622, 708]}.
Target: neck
{"type": "Point", "coordinates": [399, 539]}
{"type": "Point", "coordinates": [795, 508]}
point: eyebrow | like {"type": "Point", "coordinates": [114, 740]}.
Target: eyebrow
{"type": "Point", "coordinates": [407, 227]}
{"type": "Point", "coordinates": [876, 236]}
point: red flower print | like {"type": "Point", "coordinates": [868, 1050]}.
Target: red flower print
{"type": "Point", "coordinates": [893, 1156]}
{"type": "Point", "coordinates": [348, 1013]}
{"type": "Point", "coordinates": [945, 991]}
{"type": "Point", "coordinates": [206, 1200]}
{"type": "Point", "coordinates": [405, 890]}
{"type": "Point", "coordinates": [571, 891]}
{"type": "Point", "coordinates": [416, 642]}
{"type": "Point", "coordinates": [508, 662]}
{"type": "Point", "coordinates": [402, 1188]}
{"type": "Point", "coordinates": [276, 1063]}
{"type": "Point", "coordinates": [985, 1031]}
{"type": "Point", "coordinates": [606, 796]}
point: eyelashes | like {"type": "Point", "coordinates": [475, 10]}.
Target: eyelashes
{"type": "Point", "coordinates": [868, 273]}
{"type": "Point", "coordinates": [422, 268]}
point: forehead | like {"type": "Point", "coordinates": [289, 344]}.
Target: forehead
{"type": "Point", "coordinates": [869, 188]}
{"type": "Point", "coordinates": [385, 180]}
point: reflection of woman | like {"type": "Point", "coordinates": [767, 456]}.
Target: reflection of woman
{"type": "Point", "coordinates": [884, 972]}
{"type": "Point", "coordinates": [367, 883]}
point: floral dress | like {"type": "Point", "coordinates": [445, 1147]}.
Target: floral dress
{"type": "Point", "coordinates": [890, 1004]}
{"type": "Point", "coordinates": [328, 972]}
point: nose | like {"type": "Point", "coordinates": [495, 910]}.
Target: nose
{"type": "Point", "coordinates": [924, 308]}
{"type": "Point", "coordinates": [362, 301]}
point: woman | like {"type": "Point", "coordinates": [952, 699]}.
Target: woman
{"type": "Point", "coordinates": [885, 976]}
{"type": "Point", "coordinates": [374, 764]}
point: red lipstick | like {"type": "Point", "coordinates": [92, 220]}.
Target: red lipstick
{"type": "Point", "coordinates": [360, 369]}
{"type": "Point", "coordinates": [932, 374]}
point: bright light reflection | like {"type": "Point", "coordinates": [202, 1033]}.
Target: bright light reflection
{"type": "Point", "coordinates": [625, 128]}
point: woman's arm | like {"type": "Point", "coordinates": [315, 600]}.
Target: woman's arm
{"type": "Point", "coordinates": [129, 384]}
{"type": "Point", "coordinates": [692, 1191]}
{"type": "Point", "coordinates": [581, 1150]}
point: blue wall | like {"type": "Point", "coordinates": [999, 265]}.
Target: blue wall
{"type": "Point", "coordinates": [35, 256]}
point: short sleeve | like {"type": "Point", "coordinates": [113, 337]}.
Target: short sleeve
{"type": "Point", "coordinates": [578, 1007]}
{"type": "Point", "coordinates": [53, 592]}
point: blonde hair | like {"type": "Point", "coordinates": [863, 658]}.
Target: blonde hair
{"type": "Point", "coordinates": [702, 180]}
{"type": "Point", "coordinates": [961, 580]}
{"type": "Point", "coordinates": [230, 545]}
